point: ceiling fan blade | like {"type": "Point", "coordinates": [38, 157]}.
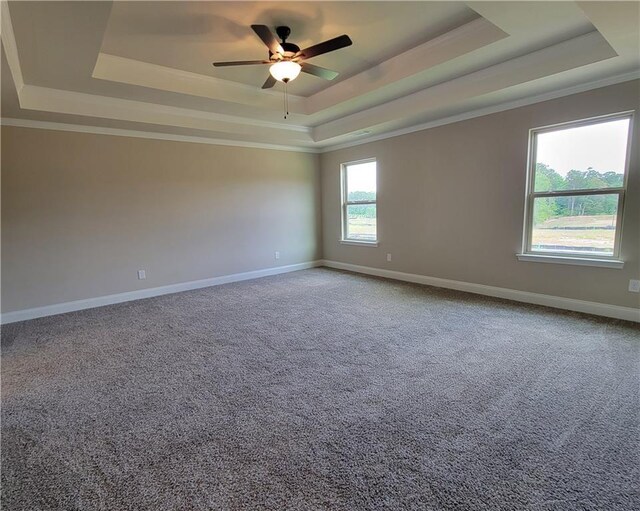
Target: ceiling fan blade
{"type": "Point", "coordinates": [268, 38]}
{"type": "Point", "coordinates": [269, 82]}
{"type": "Point", "coordinates": [331, 45]}
{"type": "Point", "coordinates": [327, 74]}
{"type": "Point", "coordinates": [241, 63]}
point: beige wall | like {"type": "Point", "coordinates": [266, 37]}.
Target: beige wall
{"type": "Point", "coordinates": [451, 202]}
{"type": "Point", "coordinates": [81, 213]}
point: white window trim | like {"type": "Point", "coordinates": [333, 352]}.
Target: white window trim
{"type": "Point", "coordinates": [578, 261]}
{"type": "Point", "coordinates": [359, 243]}
{"type": "Point", "coordinates": [612, 261]}
{"type": "Point", "coordinates": [344, 203]}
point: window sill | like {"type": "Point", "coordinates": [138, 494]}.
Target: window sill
{"type": "Point", "coordinates": [359, 243]}
{"type": "Point", "coordinates": [578, 261]}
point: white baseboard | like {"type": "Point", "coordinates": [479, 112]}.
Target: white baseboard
{"type": "Point", "coordinates": [599, 309]}
{"type": "Point", "coordinates": [89, 303]}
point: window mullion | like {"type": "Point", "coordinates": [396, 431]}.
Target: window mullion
{"type": "Point", "coordinates": [573, 193]}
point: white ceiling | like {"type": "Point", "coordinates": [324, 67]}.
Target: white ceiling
{"type": "Point", "coordinates": [190, 35]}
{"type": "Point", "coordinates": [146, 66]}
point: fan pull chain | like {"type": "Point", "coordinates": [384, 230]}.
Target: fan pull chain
{"type": "Point", "coordinates": [286, 101]}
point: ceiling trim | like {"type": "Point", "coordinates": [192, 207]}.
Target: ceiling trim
{"type": "Point", "coordinates": [78, 103]}
{"type": "Point", "coordinates": [373, 84]}
{"type": "Point", "coordinates": [568, 91]}
{"type": "Point", "coordinates": [100, 130]}
{"type": "Point", "coordinates": [10, 45]}
{"type": "Point", "coordinates": [322, 137]}
{"type": "Point", "coordinates": [49, 94]}
{"type": "Point", "coordinates": [571, 54]}
{"type": "Point", "coordinates": [359, 91]}
{"type": "Point", "coordinates": [528, 67]}
{"type": "Point", "coordinates": [145, 74]}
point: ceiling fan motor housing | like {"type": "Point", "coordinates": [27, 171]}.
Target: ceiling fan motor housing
{"type": "Point", "coordinates": [290, 49]}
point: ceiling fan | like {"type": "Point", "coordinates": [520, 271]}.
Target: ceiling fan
{"type": "Point", "coordinates": [287, 59]}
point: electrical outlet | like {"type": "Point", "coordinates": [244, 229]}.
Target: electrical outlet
{"type": "Point", "coordinates": [277, 255]}
{"type": "Point", "coordinates": [142, 274]}
{"type": "Point", "coordinates": [388, 257]}
{"type": "Point", "coordinates": [634, 286]}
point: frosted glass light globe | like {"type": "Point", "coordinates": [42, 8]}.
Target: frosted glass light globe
{"type": "Point", "coordinates": [285, 71]}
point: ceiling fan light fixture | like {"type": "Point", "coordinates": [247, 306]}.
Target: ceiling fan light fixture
{"type": "Point", "coordinates": [285, 70]}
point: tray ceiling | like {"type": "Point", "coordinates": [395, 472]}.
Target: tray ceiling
{"type": "Point", "coordinates": [146, 66]}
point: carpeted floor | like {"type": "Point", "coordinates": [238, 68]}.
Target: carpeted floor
{"type": "Point", "coordinates": [321, 390]}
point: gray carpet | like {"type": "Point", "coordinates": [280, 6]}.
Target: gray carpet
{"type": "Point", "coordinates": [321, 390]}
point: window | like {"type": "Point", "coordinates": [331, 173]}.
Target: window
{"type": "Point", "coordinates": [576, 188]}
{"type": "Point", "coordinates": [359, 215]}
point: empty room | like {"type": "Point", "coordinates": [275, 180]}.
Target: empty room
{"type": "Point", "coordinates": [320, 255]}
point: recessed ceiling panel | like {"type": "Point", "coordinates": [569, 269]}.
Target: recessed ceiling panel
{"type": "Point", "coordinates": [149, 64]}
{"type": "Point", "coordinates": [191, 35]}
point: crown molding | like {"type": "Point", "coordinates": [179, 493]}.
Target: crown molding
{"type": "Point", "coordinates": [88, 105]}
{"type": "Point", "coordinates": [376, 84]}
{"type": "Point", "coordinates": [509, 105]}
{"type": "Point", "coordinates": [565, 56]}
{"type": "Point", "coordinates": [33, 97]}
{"type": "Point", "coordinates": [533, 65]}
{"type": "Point", "coordinates": [303, 137]}
{"type": "Point", "coordinates": [135, 72]}
{"type": "Point", "coordinates": [99, 130]}
{"type": "Point", "coordinates": [358, 91]}
{"type": "Point", "coordinates": [10, 46]}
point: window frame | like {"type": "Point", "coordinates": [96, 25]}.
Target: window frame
{"type": "Point", "coordinates": [530, 196]}
{"type": "Point", "coordinates": [345, 202]}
